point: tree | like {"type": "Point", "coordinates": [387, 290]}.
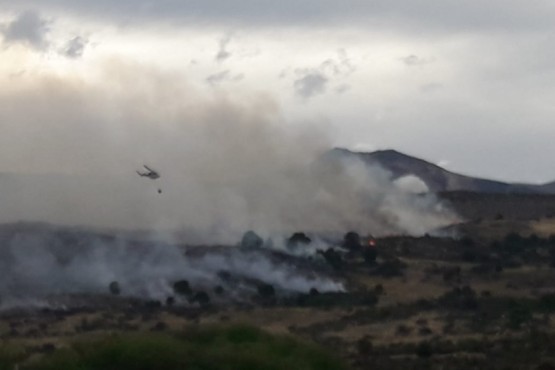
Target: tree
{"type": "Point", "coordinates": [333, 258]}
{"type": "Point", "coordinates": [266, 291]}
{"type": "Point", "coordinates": [351, 241]}
{"type": "Point", "coordinates": [182, 287]}
{"type": "Point", "coordinates": [370, 254]}
{"type": "Point", "coordinates": [298, 239]}
{"type": "Point", "coordinates": [201, 298]}
{"type": "Point", "coordinates": [115, 288]}
{"type": "Point", "coordinates": [251, 240]}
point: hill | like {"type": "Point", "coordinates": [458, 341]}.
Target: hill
{"type": "Point", "coordinates": [437, 178]}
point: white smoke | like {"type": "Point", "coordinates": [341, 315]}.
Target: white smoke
{"type": "Point", "coordinates": [229, 163]}
{"type": "Point", "coordinates": [412, 184]}
{"type": "Point", "coordinates": [42, 262]}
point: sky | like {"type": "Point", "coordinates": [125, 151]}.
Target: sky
{"type": "Point", "coordinates": [467, 85]}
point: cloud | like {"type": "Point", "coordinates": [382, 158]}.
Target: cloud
{"type": "Point", "coordinates": [75, 47]}
{"type": "Point", "coordinates": [343, 88]}
{"type": "Point", "coordinates": [311, 83]}
{"type": "Point", "coordinates": [340, 66]}
{"type": "Point", "coordinates": [431, 87]}
{"type": "Point", "coordinates": [414, 60]}
{"type": "Point", "coordinates": [223, 76]}
{"type": "Point", "coordinates": [223, 54]}
{"type": "Point", "coordinates": [28, 28]}
{"type": "Point", "coordinates": [423, 16]}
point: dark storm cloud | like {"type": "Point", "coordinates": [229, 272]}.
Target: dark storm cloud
{"type": "Point", "coordinates": [426, 14]}
{"type": "Point", "coordinates": [28, 28]}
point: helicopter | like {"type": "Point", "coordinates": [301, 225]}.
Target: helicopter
{"type": "Point", "coordinates": [150, 173]}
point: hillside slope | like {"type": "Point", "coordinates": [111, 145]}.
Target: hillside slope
{"type": "Point", "coordinates": [437, 178]}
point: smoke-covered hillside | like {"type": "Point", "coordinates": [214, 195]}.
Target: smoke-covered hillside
{"type": "Point", "coordinates": [43, 265]}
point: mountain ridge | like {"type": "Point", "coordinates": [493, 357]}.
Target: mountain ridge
{"type": "Point", "coordinates": [437, 178]}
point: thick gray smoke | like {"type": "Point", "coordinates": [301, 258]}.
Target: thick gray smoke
{"type": "Point", "coordinates": [229, 163]}
{"type": "Point", "coordinates": [41, 264]}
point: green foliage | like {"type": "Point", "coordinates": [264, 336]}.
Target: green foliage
{"type": "Point", "coordinates": [10, 355]}
{"type": "Point", "coordinates": [213, 348]}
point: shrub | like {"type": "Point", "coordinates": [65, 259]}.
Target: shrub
{"type": "Point", "coordinates": [182, 287]}
{"type": "Point", "coordinates": [403, 330]}
{"type": "Point", "coordinates": [298, 239]}
{"type": "Point", "coordinates": [467, 241]}
{"type": "Point", "coordinates": [114, 288]}
{"type": "Point", "coordinates": [518, 316]}
{"type": "Point", "coordinates": [391, 268]}
{"type": "Point", "coordinates": [251, 240]}
{"type": "Point", "coordinates": [201, 298]}
{"type": "Point", "coordinates": [370, 254]}
{"type": "Point", "coordinates": [313, 291]}
{"type": "Point", "coordinates": [333, 258]}
{"type": "Point", "coordinates": [364, 346]}
{"type": "Point", "coordinates": [424, 350]}
{"type": "Point", "coordinates": [351, 241]}
{"type": "Point", "coordinates": [266, 291]}
{"type": "Point", "coordinates": [10, 355]}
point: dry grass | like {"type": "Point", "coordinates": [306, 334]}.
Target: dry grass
{"type": "Point", "coordinates": [544, 227]}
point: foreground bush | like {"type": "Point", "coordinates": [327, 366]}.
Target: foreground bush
{"type": "Point", "coordinates": [236, 347]}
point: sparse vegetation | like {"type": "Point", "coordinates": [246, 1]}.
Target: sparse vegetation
{"type": "Point", "coordinates": [409, 302]}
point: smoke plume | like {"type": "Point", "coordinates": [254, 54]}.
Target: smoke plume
{"type": "Point", "coordinates": [229, 162]}
{"type": "Point", "coordinates": [42, 264]}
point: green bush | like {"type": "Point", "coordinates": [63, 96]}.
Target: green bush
{"type": "Point", "coordinates": [214, 348]}
{"type": "Point", "coordinates": [10, 355]}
